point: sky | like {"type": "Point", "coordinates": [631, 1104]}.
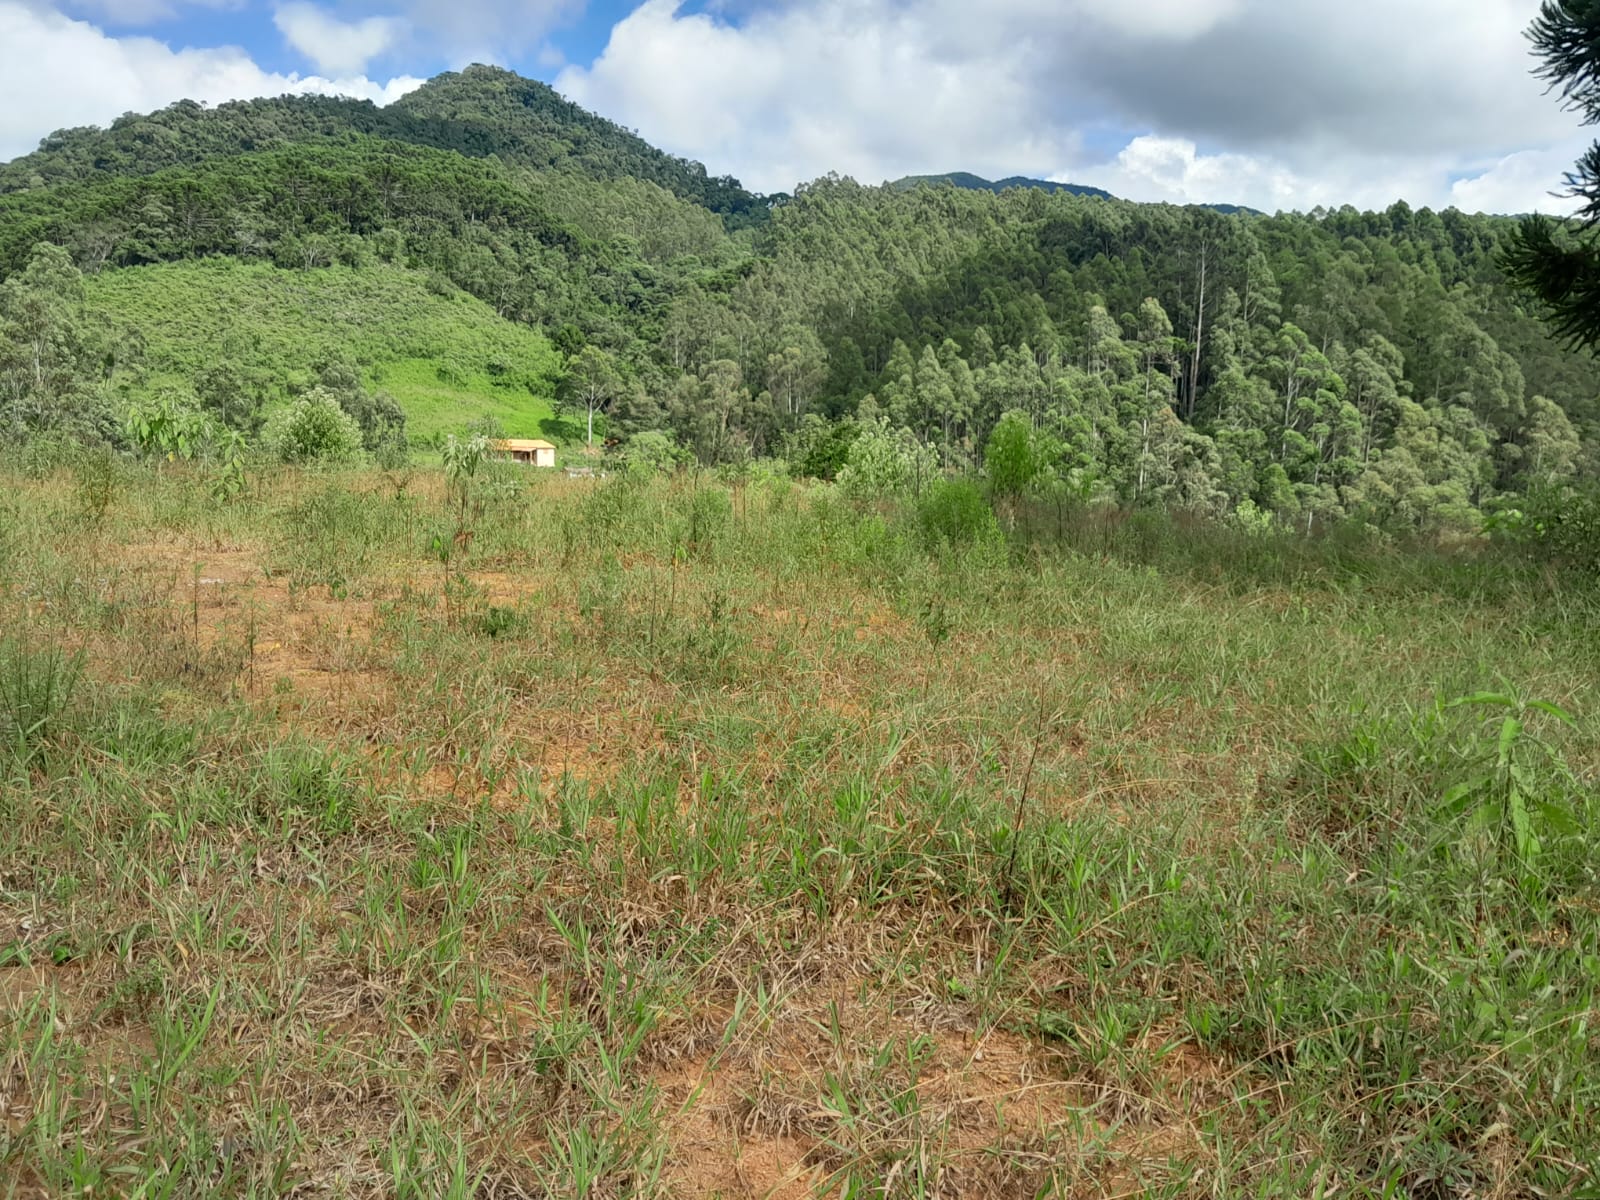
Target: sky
{"type": "Point", "coordinates": [1276, 104]}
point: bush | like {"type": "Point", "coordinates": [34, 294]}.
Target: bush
{"type": "Point", "coordinates": [651, 452]}
{"type": "Point", "coordinates": [1558, 523]}
{"type": "Point", "coordinates": [313, 429]}
{"type": "Point", "coordinates": [954, 512]}
{"type": "Point", "coordinates": [886, 462]}
{"type": "Point", "coordinates": [1011, 457]}
{"type": "Point", "coordinates": [820, 449]}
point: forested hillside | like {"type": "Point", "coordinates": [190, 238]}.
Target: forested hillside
{"type": "Point", "coordinates": [964, 179]}
{"type": "Point", "coordinates": [478, 112]}
{"type": "Point", "coordinates": [1316, 367]}
{"type": "Point", "coordinates": [447, 358]}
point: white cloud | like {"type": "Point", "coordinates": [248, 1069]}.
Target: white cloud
{"type": "Point", "coordinates": [1175, 171]}
{"type": "Point", "coordinates": [1172, 170]}
{"type": "Point", "coordinates": [1388, 99]}
{"type": "Point", "coordinates": [855, 86]}
{"type": "Point", "coordinates": [56, 72]}
{"type": "Point", "coordinates": [1519, 183]}
{"type": "Point", "coordinates": [334, 45]}
{"type": "Point", "coordinates": [1171, 19]}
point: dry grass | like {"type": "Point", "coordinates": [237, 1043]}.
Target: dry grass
{"type": "Point", "coordinates": [607, 865]}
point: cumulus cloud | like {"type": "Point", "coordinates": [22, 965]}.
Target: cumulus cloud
{"type": "Point", "coordinates": [1299, 104]}
{"type": "Point", "coordinates": [1527, 181]}
{"type": "Point", "coordinates": [335, 45]}
{"type": "Point", "coordinates": [1175, 171]}
{"type": "Point", "coordinates": [862, 87]}
{"type": "Point", "coordinates": [344, 36]}
{"type": "Point", "coordinates": [58, 72]}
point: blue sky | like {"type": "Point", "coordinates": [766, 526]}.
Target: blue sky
{"type": "Point", "coordinates": [1272, 103]}
{"type": "Point", "coordinates": [579, 35]}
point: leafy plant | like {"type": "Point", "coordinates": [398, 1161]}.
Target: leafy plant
{"type": "Point", "coordinates": [168, 425]}
{"type": "Point", "coordinates": [954, 512]}
{"type": "Point", "coordinates": [313, 429]}
{"type": "Point", "coordinates": [1503, 804]}
{"type": "Point", "coordinates": [228, 478]}
{"type": "Point", "coordinates": [883, 462]}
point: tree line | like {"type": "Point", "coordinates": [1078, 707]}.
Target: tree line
{"type": "Point", "coordinates": [1319, 366]}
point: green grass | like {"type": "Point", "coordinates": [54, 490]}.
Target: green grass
{"type": "Point", "coordinates": [438, 402]}
{"type": "Point", "coordinates": [448, 358]}
{"type": "Point", "coordinates": [676, 841]}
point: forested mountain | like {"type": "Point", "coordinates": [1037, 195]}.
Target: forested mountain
{"type": "Point", "coordinates": [478, 112]}
{"type": "Point", "coordinates": [1316, 366]}
{"type": "Point", "coordinates": [976, 183]}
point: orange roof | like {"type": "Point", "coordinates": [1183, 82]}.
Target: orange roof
{"type": "Point", "coordinates": [523, 444]}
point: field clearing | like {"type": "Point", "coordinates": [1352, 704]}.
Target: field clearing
{"type": "Point", "coordinates": [447, 359]}
{"type": "Point", "coordinates": [672, 839]}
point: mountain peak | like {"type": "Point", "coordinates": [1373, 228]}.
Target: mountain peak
{"type": "Point", "coordinates": [976, 183]}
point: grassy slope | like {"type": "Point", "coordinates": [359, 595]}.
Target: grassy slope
{"type": "Point", "coordinates": [448, 359]}
{"type": "Point", "coordinates": [680, 846]}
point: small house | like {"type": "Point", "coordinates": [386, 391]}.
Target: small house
{"type": "Point", "coordinates": [533, 451]}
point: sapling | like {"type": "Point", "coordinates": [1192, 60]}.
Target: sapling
{"type": "Point", "coordinates": [1503, 802]}
{"type": "Point", "coordinates": [462, 458]}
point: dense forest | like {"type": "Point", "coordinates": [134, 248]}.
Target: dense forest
{"type": "Point", "coordinates": [1308, 367]}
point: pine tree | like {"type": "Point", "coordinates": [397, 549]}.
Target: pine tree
{"type": "Point", "coordinates": [1560, 264]}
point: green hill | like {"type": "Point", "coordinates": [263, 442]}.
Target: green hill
{"type": "Point", "coordinates": [1324, 367]}
{"type": "Point", "coordinates": [976, 183]}
{"type": "Point", "coordinates": [479, 112]}
{"type": "Point", "coordinates": [446, 357]}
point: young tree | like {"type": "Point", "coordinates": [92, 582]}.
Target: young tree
{"type": "Point", "coordinates": [1011, 456]}
{"type": "Point", "coordinates": [51, 357]}
{"type": "Point", "coordinates": [315, 428]}
{"type": "Point", "coordinates": [592, 383]}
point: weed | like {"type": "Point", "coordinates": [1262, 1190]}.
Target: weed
{"type": "Point", "coordinates": [37, 688]}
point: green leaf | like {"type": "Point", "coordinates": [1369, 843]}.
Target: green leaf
{"type": "Point", "coordinates": [1522, 827]}
{"type": "Point", "coordinates": [1559, 819]}
{"type": "Point", "coordinates": [1510, 731]}
{"type": "Point", "coordinates": [1555, 711]}
{"type": "Point", "coordinates": [1494, 698]}
{"type": "Point", "coordinates": [1458, 798]}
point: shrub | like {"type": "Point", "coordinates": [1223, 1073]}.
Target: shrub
{"type": "Point", "coordinates": [1011, 457]}
{"type": "Point", "coordinates": [313, 429]}
{"type": "Point", "coordinates": [820, 449]}
{"type": "Point", "coordinates": [169, 425]}
{"type": "Point", "coordinates": [650, 452]}
{"type": "Point", "coordinates": [886, 462]}
{"type": "Point", "coordinates": [1559, 523]}
{"type": "Point", "coordinates": [954, 512]}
